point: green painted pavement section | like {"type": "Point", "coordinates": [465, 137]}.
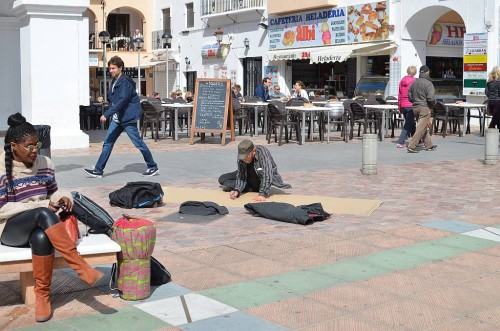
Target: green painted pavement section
{"type": "Point", "coordinates": [125, 318]}
{"type": "Point", "coordinates": [279, 287]}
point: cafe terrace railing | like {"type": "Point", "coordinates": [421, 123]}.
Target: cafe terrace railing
{"type": "Point", "coordinates": [214, 7]}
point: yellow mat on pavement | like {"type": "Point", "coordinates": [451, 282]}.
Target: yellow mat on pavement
{"type": "Point", "coordinates": [330, 204]}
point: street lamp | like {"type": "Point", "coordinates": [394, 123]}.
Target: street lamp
{"type": "Point", "coordinates": [138, 43]}
{"type": "Point", "coordinates": [246, 42]}
{"type": "Point", "coordinates": [104, 38]}
{"type": "Point", "coordinates": [218, 34]}
{"type": "Point", "coordinates": [167, 39]}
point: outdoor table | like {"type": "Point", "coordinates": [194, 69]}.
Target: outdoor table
{"type": "Point", "coordinates": [256, 106]}
{"type": "Point", "coordinates": [391, 101]}
{"type": "Point", "coordinates": [175, 107]}
{"type": "Point", "coordinates": [383, 108]}
{"type": "Point", "coordinates": [466, 106]}
{"type": "Point", "coordinates": [303, 110]}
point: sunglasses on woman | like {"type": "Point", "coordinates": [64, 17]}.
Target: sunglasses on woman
{"type": "Point", "coordinates": [30, 148]}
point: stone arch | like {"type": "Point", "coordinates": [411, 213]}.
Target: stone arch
{"type": "Point", "coordinates": [418, 25]}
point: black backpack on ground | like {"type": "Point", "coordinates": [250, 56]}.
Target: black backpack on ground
{"type": "Point", "coordinates": [91, 214]}
{"type": "Point", "coordinates": [137, 195]}
{"type": "Point", "coordinates": [159, 274]}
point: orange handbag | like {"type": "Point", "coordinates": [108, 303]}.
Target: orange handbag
{"type": "Point", "coordinates": [71, 224]}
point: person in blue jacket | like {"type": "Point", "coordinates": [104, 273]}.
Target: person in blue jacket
{"type": "Point", "coordinates": [125, 110]}
{"type": "Point", "coordinates": [262, 90]}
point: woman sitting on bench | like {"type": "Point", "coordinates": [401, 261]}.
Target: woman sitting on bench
{"type": "Point", "coordinates": [29, 200]}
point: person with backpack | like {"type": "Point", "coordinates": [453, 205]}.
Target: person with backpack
{"type": "Point", "coordinates": [125, 110]}
{"type": "Point", "coordinates": [29, 200]}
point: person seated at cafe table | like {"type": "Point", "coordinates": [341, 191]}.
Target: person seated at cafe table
{"type": "Point", "coordinates": [188, 96]}
{"type": "Point", "coordinates": [262, 90]}
{"type": "Point", "coordinates": [156, 95]}
{"type": "Point", "coordinates": [276, 93]}
{"type": "Point", "coordinates": [256, 172]}
{"type": "Point", "coordinates": [236, 92]}
{"type": "Point", "coordinates": [299, 91]}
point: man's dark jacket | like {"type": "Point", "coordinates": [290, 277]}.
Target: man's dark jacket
{"type": "Point", "coordinates": [421, 92]}
{"type": "Point", "coordinates": [266, 169]}
{"type": "Point", "coordinates": [123, 100]}
{"type": "Point", "coordinates": [261, 92]}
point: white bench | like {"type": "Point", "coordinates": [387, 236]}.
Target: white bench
{"type": "Point", "coordinates": [95, 249]}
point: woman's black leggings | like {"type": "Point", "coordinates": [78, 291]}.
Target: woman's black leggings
{"type": "Point", "coordinates": [28, 229]}
{"type": "Point", "coordinates": [494, 108]}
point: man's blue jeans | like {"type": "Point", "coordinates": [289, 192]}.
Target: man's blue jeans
{"type": "Point", "coordinates": [114, 131]}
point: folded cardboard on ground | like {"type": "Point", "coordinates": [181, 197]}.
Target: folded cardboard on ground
{"type": "Point", "coordinates": [330, 204]}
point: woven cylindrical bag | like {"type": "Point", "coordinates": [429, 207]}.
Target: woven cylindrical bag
{"type": "Point", "coordinates": [137, 238]}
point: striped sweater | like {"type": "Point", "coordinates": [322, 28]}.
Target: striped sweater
{"type": "Point", "coordinates": [33, 187]}
{"type": "Point", "coordinates": [266, 169]}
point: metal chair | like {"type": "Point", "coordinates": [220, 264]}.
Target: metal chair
{"type": "Point", "coordinates": [279, 118]}
{"type": "Point", "coordinates": [446, 115]}
{"type": "Point", "coordinates": [151, 116]}
{"type": "Point", "coordinates": [241, 115]}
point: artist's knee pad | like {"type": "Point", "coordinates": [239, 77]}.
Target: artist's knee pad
{"type": "Point", "coordinates": [40, 243]}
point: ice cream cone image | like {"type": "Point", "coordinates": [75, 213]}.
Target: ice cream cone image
{"type": "Point", "coordinates": [436, 34]}
{"type": "Point", "coordinates": [327, 36]}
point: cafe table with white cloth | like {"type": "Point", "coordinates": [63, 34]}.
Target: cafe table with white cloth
{"type": "Point", "coordinates": [256, 106]}
{"type": "Point", "coordinates": [384, 109]}
{"type": "Point", "coordinates": [467, 106]}
{"type": "Point", "coordinates": [175, 107]}
{"type": "Point", "coordinates": [304, 110]}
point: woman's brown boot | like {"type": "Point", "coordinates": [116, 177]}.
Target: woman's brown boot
{"type": "Point", "coordinates": [42, 274]}
{"type": "Point", "coordinates": [63, 244]}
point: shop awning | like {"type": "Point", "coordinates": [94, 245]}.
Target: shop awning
{"type": "Point", "coordinates": [342, 52]}
{"type": "Point", "coordinates": [291, 54]}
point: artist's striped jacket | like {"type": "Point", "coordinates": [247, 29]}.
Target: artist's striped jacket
{"type": "Point", "coordinates": [33, 187]}
{"type": "Point", "coordinates": [265, 168]}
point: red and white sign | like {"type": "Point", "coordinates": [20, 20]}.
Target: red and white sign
{"type": "Point", "coordinates": [446, 34]}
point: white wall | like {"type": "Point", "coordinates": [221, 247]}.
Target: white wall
{"type": "Point", "coordinates": [10, 69]}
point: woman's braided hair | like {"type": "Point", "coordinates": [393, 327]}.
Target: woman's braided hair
{"type": "Point", "coordinates": [18, 130]}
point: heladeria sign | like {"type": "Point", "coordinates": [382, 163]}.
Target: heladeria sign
{"type": "Point", "coordinates": [328, 27]}
{"type": "Point", "coordinates": [315, 28]}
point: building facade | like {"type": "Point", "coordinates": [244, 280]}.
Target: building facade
{"type": "Point", "coordinates": [54, 59]}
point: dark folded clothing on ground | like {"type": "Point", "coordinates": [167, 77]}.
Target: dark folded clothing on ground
{"type": "Point", "coordinates": [285, 212]}
{"type": "Point", "coordinates": [202, 208]}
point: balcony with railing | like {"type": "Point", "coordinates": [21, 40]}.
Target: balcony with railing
{"type": "Point", "coordinates": [223, 7]}
{"type": "Point", "coordinates": [117, 41]}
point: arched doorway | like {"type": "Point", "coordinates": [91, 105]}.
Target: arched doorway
{"type": "Point", "coordinates": [434, 36]}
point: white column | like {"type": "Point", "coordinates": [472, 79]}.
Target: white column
{"type": "Point", "coordinates": [54, 66]}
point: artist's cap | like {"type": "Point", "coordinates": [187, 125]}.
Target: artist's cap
{"type": "Point", "coordinates": [244, 148]}
{"type": "Point", "coordinates": [424, 68]}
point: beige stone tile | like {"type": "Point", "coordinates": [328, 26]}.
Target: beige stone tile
{"type": "Point", "coordinates": [490, 315]}
{"type": "Point", "coordinates": [459, 299]}
{"type": "Point", "coordinates": [217, 255]}
{"type": "Point", "coordinates": [296, 313]}
{"type": "Point", "coordinates": [409, 315]}
{"type": "Point", "coordinates": [442, 273]}
{"type": "Point", "coordinates": [477, 261]}
{"type": "Point", "coordinates": [265, 247]}
{"type": "Point", "coordinates": [384, 240]}
{"type": "Point", "coordinates": [349, 323]}
{"type": "Point", "coordinates": [205, 278]}
{"type": "Point", "coordinates": [419, 233]}
{"type": "Point", "coordinates": [466, 324]}
{"type": "Point", "coordinates": [401, 285]}
{"type": "Point", "coordinates": [351, 297]}
{"type": "Point", "coordinates": [256, 268]}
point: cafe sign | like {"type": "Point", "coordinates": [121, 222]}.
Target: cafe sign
{"type": "Point", "coordinates": [446, 34]}
{"type": "Point", "coordinates": [475, 62]}
{"type": "Point", "coordinates": [309, 29]}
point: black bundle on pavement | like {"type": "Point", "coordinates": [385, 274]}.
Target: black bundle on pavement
{"type": "Point", "coordinates": [285, 212]}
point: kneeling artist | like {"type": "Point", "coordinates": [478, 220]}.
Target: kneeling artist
{"type": "Point", "coordinates": [256, 172]}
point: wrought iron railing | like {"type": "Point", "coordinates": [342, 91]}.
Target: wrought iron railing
{"type": "Point", "coordinates": [117, 41]}
{"type": "Point", "coordinates": [211, 7]}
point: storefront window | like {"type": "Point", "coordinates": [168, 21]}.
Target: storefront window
{"type": "Point", "coordinates": [445, 67]}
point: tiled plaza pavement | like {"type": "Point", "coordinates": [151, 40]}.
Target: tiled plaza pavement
{"type": "Point", "coordinates": [419, 262]}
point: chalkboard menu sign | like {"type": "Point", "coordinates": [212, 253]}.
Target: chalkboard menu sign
{"type": "Point", "coordinates": [212, 100]}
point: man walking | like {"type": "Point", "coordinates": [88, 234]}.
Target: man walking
{"type": "Point", "coordinates": [125, 110]}
{"type": "Point", "coordinates": [421, 94]}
